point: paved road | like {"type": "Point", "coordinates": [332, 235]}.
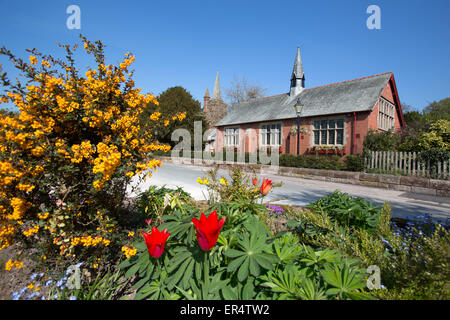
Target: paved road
{"type": "Point", "coordinates": [297, 191]}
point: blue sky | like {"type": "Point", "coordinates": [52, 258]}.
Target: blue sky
{"type": "Point", "coordinates": [186, 42]}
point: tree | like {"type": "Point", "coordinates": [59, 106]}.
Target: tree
{"type": "Point", "coordinates": [438, 137]}
{"type": "Point", "coordinates": [173, 102]}
{"type": "Point", "coordinates": [241, 90]}
{"type": "Point", "coordinates": [438, 110]}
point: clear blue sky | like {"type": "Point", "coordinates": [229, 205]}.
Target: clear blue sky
{"type": "Point", "coordinates": [186, 42]}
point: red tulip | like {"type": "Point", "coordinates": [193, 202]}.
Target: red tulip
{"type": "Point", "coordinates": [148, 221]}
{"type": "Point", "coordinates": [208, 230]}
{"type": "Point", "coordinates": [156, 241]}
{"type": "Point", "coordinates": [255, 181]}
{"type": "Point", "coordinates": [266, 186]}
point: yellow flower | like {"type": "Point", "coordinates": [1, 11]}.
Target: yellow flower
{"type": "Point", "coordinates": [129, 252]}
{"type": "Point", "coordinates": [131, 234]}
{"type": "Point", "coordinates": [45, 63]}
{"type": "Point", "coordinates": [204, 181]}
{"type": "Point", "coordinates": [33, 60]}
{"type": "Point", "coordinates": [223, 181]}
{"type": "Point", "coordinates": [43, 216]}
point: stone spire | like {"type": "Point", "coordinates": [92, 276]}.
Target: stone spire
{"type": "Point", "coordinates": [216, 92]}
{"type": "Point", "coordinates": [298, 76]}
{"type": "Point", "coordinates": [214, 108]}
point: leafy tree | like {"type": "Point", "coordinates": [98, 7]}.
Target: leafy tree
{"type": "Point", "coordinates": [173, 102]}
{"type": "Point", "coordinates": [416, 120]}
{"type": "Point", "coordinates": [438, 136]}
{"type": "Point", "coordinates": [438, 110]}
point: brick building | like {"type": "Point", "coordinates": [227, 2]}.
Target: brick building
{"type": "Point", "coordinates": [334, 117]}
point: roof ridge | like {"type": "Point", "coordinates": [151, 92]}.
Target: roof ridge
{"type": "Point", "coordinates": [336, 83]}
{"type": "Point", "coordinates": [256, 99]}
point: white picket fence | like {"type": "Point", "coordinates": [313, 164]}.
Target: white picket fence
{"type": "Point", "coordinates": [405, 163]}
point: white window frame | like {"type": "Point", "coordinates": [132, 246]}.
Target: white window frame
{"type": "Point", "coordinates": [276, 136]}
{"type": "Point", "coordinates": [231, 136]}
{"type": "Point", "coordinates": [386, 114]}
{"type": "Point", "coordinates": [327, 131]}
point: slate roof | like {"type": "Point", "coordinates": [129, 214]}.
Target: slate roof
{"type": "Point", "coordinates": [348, 96]}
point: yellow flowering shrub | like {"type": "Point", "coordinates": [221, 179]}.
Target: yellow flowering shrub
{"type": "Point", "coordinates": [69, 151]}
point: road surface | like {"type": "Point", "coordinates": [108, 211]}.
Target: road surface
{"type": "Point", "coordinates": [300, 192]}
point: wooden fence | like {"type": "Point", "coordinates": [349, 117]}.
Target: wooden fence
{"type": "Point", "coordinates": [406, 163]}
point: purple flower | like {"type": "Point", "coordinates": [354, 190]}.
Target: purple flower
{"type": "Point", "coordinates": [275, 209]}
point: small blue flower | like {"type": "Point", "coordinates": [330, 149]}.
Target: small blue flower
{"type": "Point", "coordinates": [33, 276]}
{"type": "Point", "coordinates": [32, 295]}
{"type": "Point", "coordinates": [60, 283]}
{"type": "Point", "coordinates": [72, 298]}
{"type": "Point", "coordinates": [16, 295]}
{"type": "Point", "coordinates": [49, 282]}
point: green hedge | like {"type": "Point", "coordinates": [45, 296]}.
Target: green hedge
{"type": "Point", "coordinates": [326, 162]}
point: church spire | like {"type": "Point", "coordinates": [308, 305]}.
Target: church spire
{"type": "Point", "coordinates": [298, 76]}
{"type": "Point", "coordinates": [216, 91]}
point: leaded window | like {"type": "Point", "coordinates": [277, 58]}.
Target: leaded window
{"type": "Point", "coordinates": [271, 135]}
{"type": "Point", "coordinates": [231, 137]}
{"type": "Point", "coordinates": [386, 115]}
{"type": "Point", "coordinates": [328, 132]}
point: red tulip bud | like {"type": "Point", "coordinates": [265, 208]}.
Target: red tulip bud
{"type": "Point", "coordinates": [266, 186]}
{"type": "Point", "coordinates": [156, 241]}
{"type": "Point", "coordinates": [208, 230]}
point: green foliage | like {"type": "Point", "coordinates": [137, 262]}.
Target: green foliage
{"type": "Point", "coordinates": [154, 202]}
{"type": "Point", "coordinates": [328, 162]}
{"type": "Point", "coordinates": [438, 110]}
{"type": "Point", "coordinates": [380, 140]}
{"type": "Point", "coordinates": [354, 162]}
{"type": "Point", "coordinates": [237, 188]}
{"type": "Point", "coordinates": [107, 285]}
{"type": "Point", "coordinates": [173, 101]}
{"type": "Point", "coordinates": [347, 211]}
{"type": "Point", "coordinates": [414, 262]}
{"type": "Point", "coordinates": [247, 262]}
{"type": "Point", "coordinates": [437, 137]}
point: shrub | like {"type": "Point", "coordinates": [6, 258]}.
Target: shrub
{"type": "Point", "coordinates": [68, 154]}
{"type": "Point", "coordinates": [326, 162]}
{"type": "Point", "coordinates": [380, 140]}
{"type": "Point", "coordinates": [154, 202]}
{"type": "Point", "coordinates": [354, 163]}
{"type": "Point", "coordinates": [353, 213]}
{"type": "Point", "coordinates": [414, 262]}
